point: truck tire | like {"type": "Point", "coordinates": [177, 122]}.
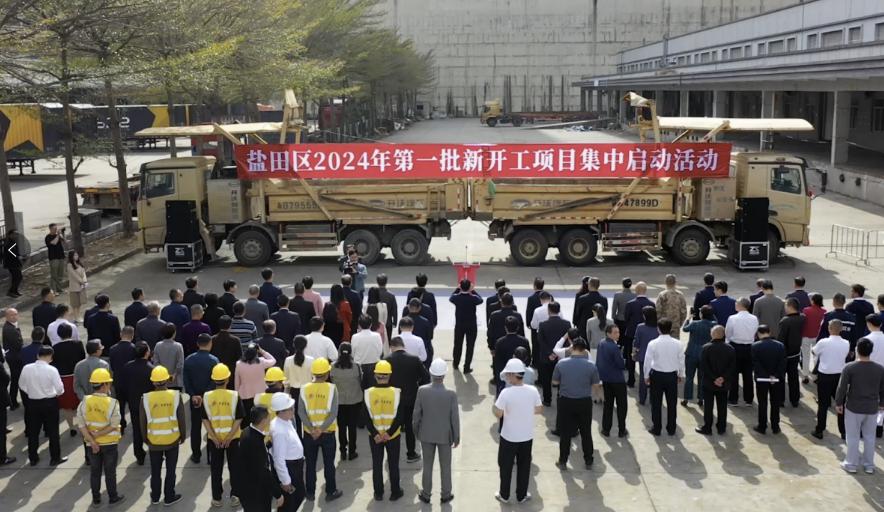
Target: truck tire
{"type": "Point", "coordinates": [529, 247]}
{"type": "Point", "coordinates": [578, 247]}
{"type": "Point", "coordinates": [491, 122]}
{"type": "Point", "coordinates": [409, 247]}
{"type": "Point", "coordinates": [690, 247]}
{"type": "Point", "coordinates": [367, 245]}
{"type": "Point", "coordinates": [517, 121]}
{"type": "Point", "coordinates": [253, 248]}
{"type": "Point", "coordinates": [773, 246]}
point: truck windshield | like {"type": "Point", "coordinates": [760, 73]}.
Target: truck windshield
{"type": "Point", "coordinates": [785, 179]}
{"type": "Point", "coordinates": [158, 184]}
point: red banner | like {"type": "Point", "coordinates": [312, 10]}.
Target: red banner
{"type": "Point", "coordinates": [482, 161]}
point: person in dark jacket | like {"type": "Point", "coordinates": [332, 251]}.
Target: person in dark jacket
{"type": "Point", "coordinates": [465, 300]}
{"type": "Point", "coordinates": [700, 333]}
{"type": "Point", "coordinates": [45, 312]}
{"type": "Point", "coordinates": [791, 327]}
{"type": "Point", "coordinates": [848, 322]}
{"type": "Point", "coordinates": [132, 383]}
{"type": "Point", "coordinates": [634, 316]}
{"type": "Point", "coordinates": [409, 374]}
{"type": "Point", "coordinates": [492, 303]}
{"type": "Point", "coordinates": [256, 467]}
{"type": "Point", "coordinates": [5, 460]}
{"type": "Point", "coordinates": [197, 381]}
{"type": "Point", "coordinates": [390, 300]}
{"type": "Point", "coordinates": [549, 333]}
{"type": "Point", "coordinates": [104, 325]}
{"type": "Point", "coordinates": [583, 305]}
{"type": "Point", "coordinates": [12, 261]}
{"type": "Point", "coordinates": [423, 327]}
{"type": "Point", "coordinates": [799, 293]}
{"type": "Point", "coordinates": [704, 296]}
{"type": "Point", "coordinates": [303, 308]}
{"type": "Point", "coordinates": [228, 299]}
{"type": "Point", "coordinates": [271, 344]}
{"type": "Point", "coordinates": [191, 296]}
{"type": "Point", "coordinates": [610, 363]}
{"type": "Point", "coordinates": [269, 293]}
{"type": "Point", "coordinates": [213, 312]}
{"type": "Point", "coordinates": [859, 307]}
{"type": "Point", "coordinates": [506, 346]}
{"type": "Point", "coordinates": [288, 323]}
{"type": "Point", "coordinates": [227, 348]}
{"type": "Point", "coordinates": [12, 345]}
{"type": "Point", "coordinates": [497, 326]}
{"type": "Point", "coordinates": [355, 300]}
{"type": "Point", "coordinates": [137, 310]}
{"type": "Point", "coordinates": [769, 367]}
{"type": "Point", "coordinates": [723, 306]}
{"type": "Point", "coordinates": [120, 354]}
{"type": "Point", "coordinates": [421, 309]}
{"type": "Point", "coordinates": [148, 328]}
{"type": "Point", "coordinates": [426, 297]}
{"type": "Point", "coordinates": [759, 292]}
{"type": "Point", "coordinates": [533, 304]}
{"type": "Point", "coordinates": [175, 312]}
{"type": "Point", "coordinates": [718, 364]}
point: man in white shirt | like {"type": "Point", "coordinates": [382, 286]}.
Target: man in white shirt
{"type": "Point", "coordinates": [873, 323]}
{"type": "Point", "coordinates": [414, 345]}
{"type": "Point", "coordinates": [541, 313]}
{"type": "Point", "coordinates": [368, 348]}
{"type": "Point", "coordinates": [516, 405]}
{"type": "Point", "coordinates": [664, 371]}
{"type": "Point", "coordinates": [42, 383]}
{"type": "Point", "coordinates": [740, 333]}
{"type": "Point", "coordinates": [287, 452]}
{"type": "Point", "coordinates": [63, 312]}
{"type": "Point", "coordinates": [831, 354]}
{"type": "Point", "coordinates": [319, 345]}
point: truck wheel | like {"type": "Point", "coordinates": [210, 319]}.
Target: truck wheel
{"type": "Point", "coordinates": [773, 247]}
{"type": "Point", "coordinates": [252, 248]}
{"type": "Point", "coordinates": [367, 245]}
{"type": "Point", "coordinates": [529, 247]}
{"type": "Point", "coordinates": [491, 122]}
{"type": "Point", "coordinates": [517, 121]}
{"type": "Point", "coordinates": [578, 247]}
{"type": "Point", "coordinates": [690, 247]}
{"type": "Point", "coordinates": [409, 247]}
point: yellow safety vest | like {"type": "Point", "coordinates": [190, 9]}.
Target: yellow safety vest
{"type": "Point", "coordinates": [318, 397]}
{"type": "Point", "coordinates": [98, 410]}
{"type": "Point", "coordinates": [382, 403]}
{"type": "Point", "coordinates": [263, 399]}
{"type": "Point", "coordinates": [220, 407]}
{"type": "Point", "coordinates": [161, 410]}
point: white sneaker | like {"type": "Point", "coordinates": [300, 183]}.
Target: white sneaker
{"type": "Point", "coordinates": [500, 498]}
{"type": "Point", "coordinates": [526, 498]}
{"type": "Point", "coordinates": [848, 468]}
{"type": "Point", "coordinates": [870, 470]}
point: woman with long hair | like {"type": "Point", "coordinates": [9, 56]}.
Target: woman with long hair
{"type": "Point", "coordinates": [348, 380]}
{"type": "Point", "coordinates": [644, 334]}
{"type": "Point", "coordinates": [249, 376]}
{"type": "Point", "coordinates": [378, 326]}
{"type": "Point", "coordinates": [374, 299]}
{"type": "Point", "coordinates": [338, 316]}
{"type": "Point", "coordinates": [297, 373]}
{"type": "Point", "coordinates": [77, 283]}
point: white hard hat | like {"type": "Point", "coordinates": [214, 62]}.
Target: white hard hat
{"type": "Point", "coordinates": [438, 368]}
{"type": "Point", "coordinates": [281, 402]}
{"type": "Point", "coordinates": [514, 366]}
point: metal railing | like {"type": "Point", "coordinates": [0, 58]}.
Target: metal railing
{"type": "Point", "coordinates": [862, 244]}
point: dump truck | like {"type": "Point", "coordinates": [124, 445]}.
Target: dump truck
{"type": "Point", "coordinates": [493, 114]}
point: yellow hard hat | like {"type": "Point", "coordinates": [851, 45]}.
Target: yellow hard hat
{"type": "Point", "coordinates": [320, 366]}
{"type": "Point", "coordinates": [220, 372]}
{"type": "Point", "coordinates": [383, 367]}
{"type": "Point", "coordinates": [100, 376]}
{"type": "Point", "coordinates": [159, 374]}
{"type": "Point", "coordinates": [274, 374]}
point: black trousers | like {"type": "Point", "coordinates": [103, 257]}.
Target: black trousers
{"type": "Point", "coordinates": [15, 368]}
{"type": "Point", "coordinates": [775, 392]}
{"type": "Point", "coordinates": [626, 345]}
{"type": "Point", "coordinates": [575, 416]}
{"type": "Point", "coordinates": [715, 397]}
{"type": "Point", "coordinates": [196, 431]}
{"type": "Point", "coordinates": [43, 415]}
{"type": "Point", "coordinates": [368, 379]}
{"type": "Point", "coordinates": [348, 420]}
{"type": "Point", "coordinates": [15, 279]}
{"type": "Point", "coordinates": [794, 381]}
{"type": "Point", "coordinates": [664, 384]}
{"type": "Point", "coordinates": [392, 449]}
{"type": "Point", "coordinates": [256, 503]}
{"type": "Point", "coordinates": [312, 448]}
{"type": "Point", "coordinates": [508, 455]}
{"type": "Point", "coordinates": [137, 434]}
{"type": "Point", "coordinates": [545, 369]}
{"type": "Point", "coordinates": [460, 332]}
{"type": "Point", "coordinates": [296, 394]}
{"type": "Point", "coordinates": [216, 467]}
{"type": "Point", "coordinates": [3, 453]}
{"type": "Point", "coordinates": [428, 346]}
{"type": "Point", "coordinates": [247, 404]}
{"type": "Point", "coordinates": [123, 404]}
{"type": "Point", "coordinates": [103, 461]}
{"type": "Point", "coordinates": [408, 430]}
{"type": "Point", "coordinates": [292, 502]}
{"type": "Point", "coordinates": [744, 368]}
{"type": "Point", "coordinates": [826, 386]}
{"type": "Point", "coordinates": [158, 485]}
{"type": "Point", "coordinates": [614, 392]}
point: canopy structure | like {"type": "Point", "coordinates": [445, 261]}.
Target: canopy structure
{"type": "Point", "coordinates": [735, 124]}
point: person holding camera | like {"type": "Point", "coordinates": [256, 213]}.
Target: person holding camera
{"type": "Point", "coordinates": [353, 267]}
{"type": "Point", "coordinates": [56, 255]}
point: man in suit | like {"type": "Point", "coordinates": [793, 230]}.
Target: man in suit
{"type": "Point", "coordinates": [718, 365]}
{"type": "Point", "coordinates": [132, 383]}
{"type": "Point", "coordinates": [408, 375]}
{"type": "Point", "coordinates": [465, 300]}
{"type": "Point", "coordinates": [4, 403]}
{"type": "Point", "coordinates": [12, 261]}
{"type": "Point", "coordinates": [137, 310]}
{"type": "Point", "coordinates": [175, 312]}
{"type": "Point", "coordinates": [256, 310]}
{"type": "Point", "coordinates": [705, 295]}
{"type": "Point", "coordinates": [492, 303]}
{"type": "Point", "coordinates": [769, 367]}
{"type": "Point", "coordinates": [723, 306]}
{"type": "Point", "coordinates": [120, 354]}
{"type": "Point", "coordinates": [634, 317]}
{"type": "Point", "coordinates": [506, 346]}
{"type": "Point", "coordinates": [548, 334]}
{"type": "Point", "coordinates": [288, 323]}
{"type": "Point", "coordinates": [12, 344]}
{"type": "Point", "coordinates": [104, 325]}
{"type": "Point", "coordinates": [45, 312]}
{"type": "Point", "coordinates": [148, 328]}
{"type": "Point", "coordinates": [354, 299]}
{"type": "Point", "coordinates": [269, 293]}
{"type": "Point", "coordinates": [191, 296]}
{"type": "Point", "coordinates": [423, 327]}
{"type": "Point", "coordinates": [228, 299]}
{"type": "Point", "coordinates": [303, 308]}
{"type": "Point", "coordinates": [255, 461]}
{"type": "Point", "coordinates": [426, 297]}
{"type": "Point", "coordinates": [759, 292]}
{"type": "Point", "coordinates": [530, 308]}
{"type": "Point", "coordinates": [425, 310]}
{"type": "Point", "coordinates": [583, 305]}
{"type": "Point", "coordinates": [437, 426]}
{"type": "Point", "coordinates": [271, 344]}
{"type": "Point", "coordinates": [390, 300]}
{"type": "Point", "coordinates": [799, 293]}
{"type": "Point", "coordinates": [497, 326]}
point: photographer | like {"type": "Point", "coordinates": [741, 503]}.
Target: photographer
{"type": "Point", "coordinates": [353, 267]}
{"type": "Point", "coordinates": [55, 253]}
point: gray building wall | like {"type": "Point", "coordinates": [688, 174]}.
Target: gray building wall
{"type": "Point", "coordinates": [527, 52]}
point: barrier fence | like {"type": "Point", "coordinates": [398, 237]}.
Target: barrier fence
{"type": "Point", "coordinates": [864, 245]}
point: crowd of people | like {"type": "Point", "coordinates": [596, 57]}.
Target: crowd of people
{"type": "Point", "coordinates": [271, 383]}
